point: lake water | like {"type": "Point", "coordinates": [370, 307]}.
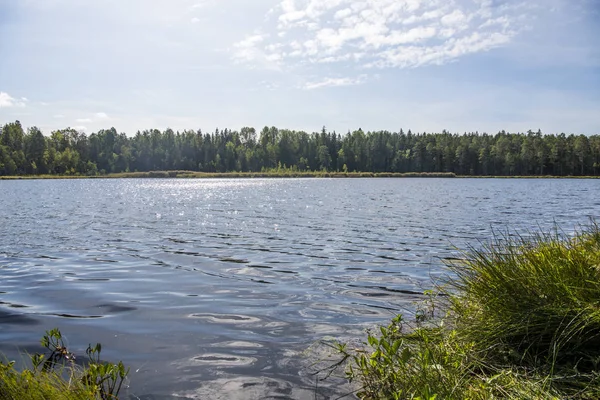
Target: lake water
{"type": "Point", "coordinates": [216, 288]}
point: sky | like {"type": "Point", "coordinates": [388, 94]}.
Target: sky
{"type": "Point", "coordinates": [424, 65]}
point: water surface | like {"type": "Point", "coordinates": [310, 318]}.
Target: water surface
{"type": "Point", "coordinates": [215, 288]}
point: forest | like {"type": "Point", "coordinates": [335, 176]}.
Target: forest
{"type": "Point", "coordinates": [71, 152]}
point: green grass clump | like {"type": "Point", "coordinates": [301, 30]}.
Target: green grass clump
{"type": "Point", "coordinates": [56, 376]}
{"type": "Point", "coordinates": [30, 385]}
{"type": "Point", "coordinates": [533, 301]}
{"type": "Point", "coordinates": [519, 319]}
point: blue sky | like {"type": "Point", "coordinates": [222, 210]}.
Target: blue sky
{"type": "Point", "coordinates": [425, 65]}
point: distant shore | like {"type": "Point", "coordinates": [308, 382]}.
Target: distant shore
{"type": "Point", "coordinates": [269, 174]}
{"type": "Point", "coordinates": [283, 174]}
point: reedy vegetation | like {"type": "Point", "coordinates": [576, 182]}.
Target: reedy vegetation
{"type": "Point", "coordinates": [69, 152]}
{"type": "Point", "coordinates": [519, 319]}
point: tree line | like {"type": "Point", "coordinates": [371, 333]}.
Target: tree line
{"type": "Point", "coordinates": [71, 152]}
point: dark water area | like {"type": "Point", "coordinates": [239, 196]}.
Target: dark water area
{"type": "Point", "coordinates": [217, 288]}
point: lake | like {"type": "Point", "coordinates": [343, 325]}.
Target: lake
{"type": "Point", "coordinates": [217, 288]}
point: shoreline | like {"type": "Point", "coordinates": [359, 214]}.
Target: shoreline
{"type": "Point", "coordinates": [275, 174]}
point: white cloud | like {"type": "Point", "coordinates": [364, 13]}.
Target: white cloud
{"type": "Point", "coordinates": [80, 128]}
{"type": "Point", "coordinates": [83, 120]}
{"type": "Point", "coordinates": [333, 82]}
{"type": "Point", "coordinates": [253, 50]}
{"type": "Point", "coordinates": [248, 49]}
{"type": "Point", "coordinates": [382, 33]}
{"type": "Point", "coordinates": [195, 20]}
{"type": "Point", "coordinates": [455, 18]}
{"type": "Point", "coordinates": [101, 115]}
{"type": "Point", "coordinates": [59, 116]}
{"type": "Point", "coordinates": [8, 101]}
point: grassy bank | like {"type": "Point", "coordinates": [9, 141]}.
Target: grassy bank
{"type": "Point", "coordinates": [267, 174]}
{"type": "Point", "coordinates": [278, 174]}
{"type": "Point", "coordinates": [56, 376]}
{"type": "Point", "coordinates": [286, 173]}
{"type": "Point", "coordinates": [519, 319]}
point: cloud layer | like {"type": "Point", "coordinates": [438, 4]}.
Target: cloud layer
{"type": "Point", "coordinates": [376, 34]}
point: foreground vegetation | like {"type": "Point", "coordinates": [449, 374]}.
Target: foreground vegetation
{"type": "Point", "coordinates": [56, 375]}
{"type": "Point", "coordinates": [70, 152]}
{"type": "Point", "coordinates": [519, 319]}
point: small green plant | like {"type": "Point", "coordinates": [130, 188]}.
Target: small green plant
{"type": "Point", "coordinates": [52, 341]}
{"type": "Point", "coordinates": [104, 378]}
{"type": "Point", "coordinates": [56, 376]}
